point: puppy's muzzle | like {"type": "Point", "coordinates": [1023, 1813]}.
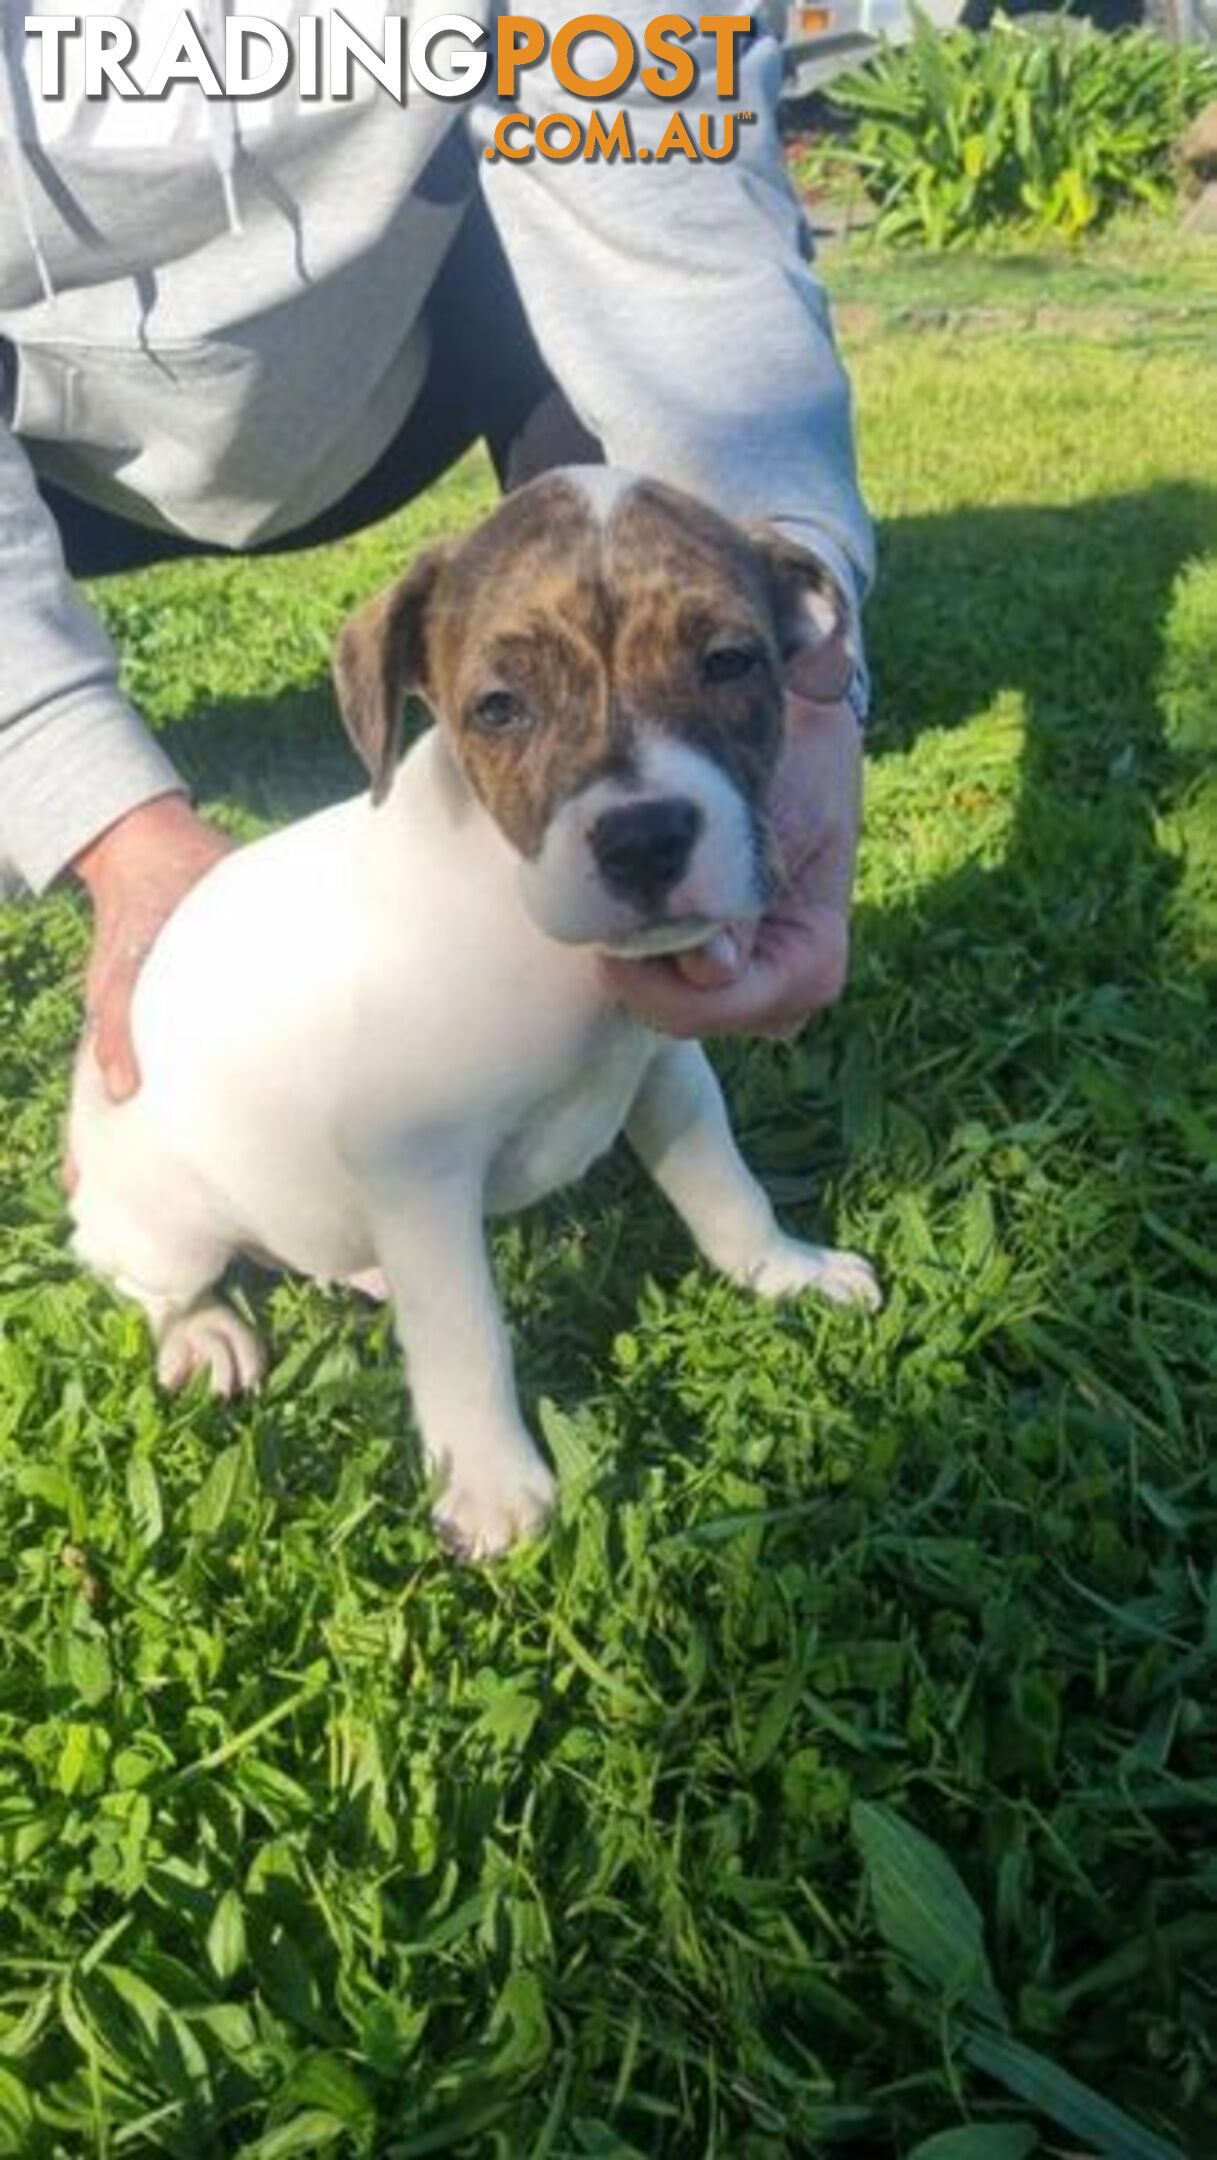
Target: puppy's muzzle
{"type": "Point", "coordinates": [642, 849]}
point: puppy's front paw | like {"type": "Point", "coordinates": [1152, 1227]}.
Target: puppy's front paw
{"type": "Point", "coordinates": [212, 1340]}
{"type": "Point", "coordinates": [788, 1268]}
{"type": "Point", "coordinates": [488, 1505]}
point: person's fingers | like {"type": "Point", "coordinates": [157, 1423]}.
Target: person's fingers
{"type": "Point", "coordinates": [658, 994]}
{"type": "Point", "coordinates": [116, 1056]}
{"type": "Point", "coordinates": [69, 1175]}
{"type": "Point", "coordinates": [796, 969]}
{"type": "Point", "coordinates": [825, 876]}
{"type": "Point", "coordinates": [135, 873]}
{"type": "Point", "coordinates": [110, 1019]}
{"type": "Point", "coordinates": [818, 942]}
{"type": "Point", "coordinates": [712, 966]}
{"type": "Point", "coordinates": [816, 808]}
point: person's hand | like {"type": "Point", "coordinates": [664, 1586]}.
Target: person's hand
{"type": "Point", "coordinates": [135, 873]}
{"type": "Point", "coordinates": [767, 978]}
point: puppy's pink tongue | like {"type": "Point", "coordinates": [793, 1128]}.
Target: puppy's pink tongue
{"type": "Point", "coordinates": [712, 965]}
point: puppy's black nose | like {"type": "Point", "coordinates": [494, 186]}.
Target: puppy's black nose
{"type": "Point", "coordinates": [643, 848]}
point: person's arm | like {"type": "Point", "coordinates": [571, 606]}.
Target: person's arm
{"type": "Point", "coordinates": [83, 784]}
{"type": "Point", "coordinates": [675, 307]}
{"type": "Point", "coordinates": [74, 756]}
{"type": "Point", "coordinates": [674, 302]}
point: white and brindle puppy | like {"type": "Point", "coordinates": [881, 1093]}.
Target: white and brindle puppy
{"type": "Point", "coordinates": [362, 1035]}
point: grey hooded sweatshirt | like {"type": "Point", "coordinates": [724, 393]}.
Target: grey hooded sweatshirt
{"type": "Point", "coordinates": [212, 322]}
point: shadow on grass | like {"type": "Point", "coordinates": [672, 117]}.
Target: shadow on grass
{"type": "Point", "coordinates": [274, 758]}
{"type": "Point", "coordinates": [1066, 609]}
{"type": "Point", "coordinates": [1065, 604]}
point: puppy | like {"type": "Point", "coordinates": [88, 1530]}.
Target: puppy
{"type": "Point", "coordinates": [361, 1036]}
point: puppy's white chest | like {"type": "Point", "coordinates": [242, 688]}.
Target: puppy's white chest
{"type": "Point", "coordinates": [563, 1135]}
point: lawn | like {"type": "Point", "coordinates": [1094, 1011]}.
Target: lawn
{"type": "Point", "coordinates": [840, 1775]}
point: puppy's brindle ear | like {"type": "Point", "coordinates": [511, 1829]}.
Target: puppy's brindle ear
{"type": "Point", "coordinates": [812, 616]}
{"type": "Point", "coordinates": [380, 658]}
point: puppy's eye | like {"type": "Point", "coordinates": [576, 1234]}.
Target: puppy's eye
{"type": "Point", "coordinates": [729, 663]}
{"type": "Point", "coordinates": [498, 713]}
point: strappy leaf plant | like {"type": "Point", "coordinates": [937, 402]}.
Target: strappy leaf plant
{"type": "Point", "coordinates": [1048, 130]}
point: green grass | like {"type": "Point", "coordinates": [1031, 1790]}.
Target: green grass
{"type": "Point", "coordinates": [842, 1770]}
{"type": "Point", "coordinates": [1138, 268]}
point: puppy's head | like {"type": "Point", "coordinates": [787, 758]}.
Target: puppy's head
{"type": "Point", "coordinates": [607, 658]}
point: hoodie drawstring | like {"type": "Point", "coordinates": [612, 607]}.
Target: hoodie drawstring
{"type": "Point", "coordinates": [224, 142]}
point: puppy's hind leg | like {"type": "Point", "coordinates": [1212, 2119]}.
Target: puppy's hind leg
{"type": "Point", "coordinates": [146, 1226]}
{"type": "Point", "coordinates": [678, 1126]}
{"type": "Point", "coordinates": [193, 1331]}
{"type": "Point", "coordinates": [206, 1338]}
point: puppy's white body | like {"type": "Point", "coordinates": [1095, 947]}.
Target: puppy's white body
{"type": "Point", "coordinates": [334, 1003]}
{"type": "Point", "coordinates": [355, 1042]}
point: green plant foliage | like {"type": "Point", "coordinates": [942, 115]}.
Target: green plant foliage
{"type": "Point", "coordinates": [963, 134]}
{"type": "Point", "coordinates": [838, 1777]}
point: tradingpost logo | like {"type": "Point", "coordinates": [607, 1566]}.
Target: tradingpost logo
{"type": "Point", "coordinates": [450, 56]}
